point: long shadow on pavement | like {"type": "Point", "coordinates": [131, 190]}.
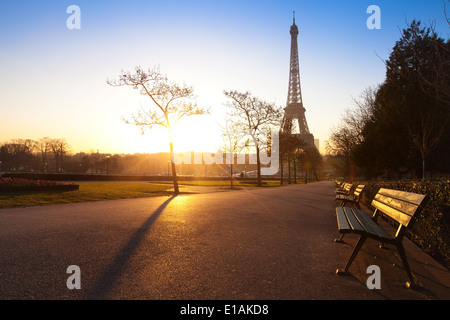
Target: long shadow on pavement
{"type": "Point", "coordinates": [115, 269]}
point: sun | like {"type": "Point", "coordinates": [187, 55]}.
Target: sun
{"type": "Point", "coordinates": [196, 133]}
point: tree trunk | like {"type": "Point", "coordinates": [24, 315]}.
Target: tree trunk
{"type": "Point", "coordinates": [258, 170]}
{"type": "Point", "coordinates": [231, 176]}
{"type": "Point", "coordinates": [423, 167]}
{"type": "Point", "coordinates": [281, 170]}
{"type": "Point", "coordinates": [295, 170]}
{"type": "Point", "coordinates": [174, 171]}
{"type": "Point", "coordinates": [289, 169]}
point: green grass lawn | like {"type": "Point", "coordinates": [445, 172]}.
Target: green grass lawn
{"type": "Point", "coordinates": [97, 191]}
{"type": "Point", "coordinates": [88, 191]}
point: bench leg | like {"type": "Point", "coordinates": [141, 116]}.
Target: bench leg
{"type": "Point", "coordinates": [340, 239]}
{"type": "Point", "coordinates": [383, 246]}
{"type": "Point", "coordinates": [354, 253]}
{"type": "Point", "coordinates": [401, 251]}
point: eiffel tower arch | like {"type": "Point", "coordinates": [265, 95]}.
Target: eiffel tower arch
{"type": "Point", "coordinates": [294, 112]}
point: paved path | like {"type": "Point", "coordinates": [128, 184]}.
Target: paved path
{"type": "Point", "coordinates": [258, 243]}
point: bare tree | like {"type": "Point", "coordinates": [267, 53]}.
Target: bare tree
{"type": "Point", "coordinates": [341, 143]}
{"type": "Point", "coordinates": [44, 147]}
{"type": "Point", "coordinates": [59, 149]}
{"type": "Point", "coordinates": [426, 137]}
{"type": "Point", "coordinates": [445, 11]}
{"type": "Point", "coordinates": [290, 149]}
{"type": "Point", "coordinates": [171, 103]}
{"type": "Point", "coordinates": [355, 119]}
{"type": "Point", "coordinates": [234, 143]}
{"type": "Point", "coordinates": [17, 154]}
{"type": "Point", "coordinates": [350, 132]}
{"type": "Point", "coordinates": [252, 116]}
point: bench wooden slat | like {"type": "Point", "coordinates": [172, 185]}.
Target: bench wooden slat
{"type": "Point", "coordinates": [398, 216]}
{"type": "Point", "coordinates": [399, 205]}
{"type": "Point", "coordinates": [359, 188]}
{"type": "Point", "coordinates": [366, 225]}
{"type": "Point", "coordinates": [343, 224]}
{"type": "Point", "coordinates": [345, 189]}
{"type": "Point", "coordinates": [353, 221]}
{"type": "Point", "coordinates": [371, 226]}
{"type": "Point", "coordinates": [413, 198]}
{"type": "Point", "coordinates": [343, 197]}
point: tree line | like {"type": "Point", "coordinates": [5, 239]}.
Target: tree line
{"type": "Point", "coordinates": [49, 155]}
{"type": "Point", "coordinates": [401, 127]}
{"type": "Point", "coordinates": [43, 155]}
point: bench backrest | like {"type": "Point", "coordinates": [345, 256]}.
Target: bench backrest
{"type": "Point", "coordinates": [400, 206]}
{"type": "Point", "coordinates": [359, 189]}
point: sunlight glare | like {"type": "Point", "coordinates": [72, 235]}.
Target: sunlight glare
{"type": "Point", "coordinates": [196, 133]}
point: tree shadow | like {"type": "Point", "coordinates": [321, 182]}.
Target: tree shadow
{"type": "Point", "coordinates": [117, 266]}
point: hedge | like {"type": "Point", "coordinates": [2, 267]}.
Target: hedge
{"type": "Point", "coordinates": [8, 184]}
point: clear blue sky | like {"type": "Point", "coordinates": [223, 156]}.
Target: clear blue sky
{"type": "Point", "coordinates": [53, 80]}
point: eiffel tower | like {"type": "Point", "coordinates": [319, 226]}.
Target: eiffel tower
{"type": "Point", "coordinates": [295, 111]}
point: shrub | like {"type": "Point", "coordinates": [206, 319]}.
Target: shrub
{"type": "Point", "coordinates": [20, 184]}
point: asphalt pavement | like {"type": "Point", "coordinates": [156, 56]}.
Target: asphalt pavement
{"type": "Point", "coordinates": [247, 244]}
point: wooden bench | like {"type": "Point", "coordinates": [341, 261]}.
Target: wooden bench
{"type": "Point", "coordinates": [344, 199]}
{"type": "Point", "coordinates": [399, 206]}
{"type": "Point", "coordinates": [345, 189]}
{"type": "Point", "coordinates": [338, 183]}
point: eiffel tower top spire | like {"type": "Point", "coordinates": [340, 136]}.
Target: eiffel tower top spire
{"type": "Point", "coordinates": [294, 94]}
{"type": "Point", "coordinates": [294, 28]}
